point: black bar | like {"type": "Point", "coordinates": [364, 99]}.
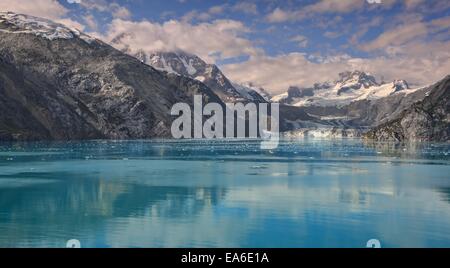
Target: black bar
{"type": "Point", "coordinates": [223, 257]}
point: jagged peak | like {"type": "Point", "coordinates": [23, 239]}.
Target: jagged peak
{"type": "Point", "coordinates": [177, 54]}
{"type": "Point", "coordinates": [357, 76]}
{"type": "Point", "coordinates": [400, 85]}
{"type": "Point", "coordinates": [178, 61]}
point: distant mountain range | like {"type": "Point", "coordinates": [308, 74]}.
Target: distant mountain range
{"type": "Point", "coordinates": [57, 83]}
{"type": "Point", "coordinates": [351, 87]}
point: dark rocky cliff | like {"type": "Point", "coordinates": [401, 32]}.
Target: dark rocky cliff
{"type": "Point", "coordinates": [427, 120]}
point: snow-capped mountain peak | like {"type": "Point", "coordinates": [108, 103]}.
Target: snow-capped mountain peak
{"type": "Point", "coordinates": [177, 62]}
{"type": "Point", "coordinates": [353, 81]}
{"type": "Point", "coordinates": [189, 65]}
{"type": "Point", "coordinates": [24, 24]}
{"type": "Point", "coordinates": [363, 78]}
{"type": "Point", "coordinates": [350, 87]}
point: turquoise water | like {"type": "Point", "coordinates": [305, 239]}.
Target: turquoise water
{"type": "Point", "coordinates": [306, 193]}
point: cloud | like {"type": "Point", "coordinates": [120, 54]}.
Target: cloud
{"type": "Point", "coordinates": [279, 15]}
{"type": "Point", "coordinates": [198, 16]}
{"type": "Point", "coordinates": [50, 9]}
{"type": "Point", "coordinates": [245, 7]}
{"type": "Point", "coordinates": [410, 31]}
{"type": "Point", "coordinates": [213, 12]}
{"type": "Point", "coordinates": [323, 6]}
{"type": "Point", "coordinates": [217, 9]}
{"type": "Point", "coordinates": [397, 36]}
{"type": "Point", "coordinates": [220, 39]}
{"type": "Point", "coordinates": [278, 73]}
{"type": "Point", "coordinates": [410, 4]}
{"type": "Point", "coordinates": [301, 40]}
{"type": "Point", "coordinates": [418, 63]}
{"type": "Point", "coordinates": [91, 22]}
{"type": "Point", "coordinates": [116, 10]}
{"type": "Point", "coordinates": [206, 15]}
{"type": "Point", "coordinates": [335, 6]}
{"type": "Point", "coordinates": [331, 34]}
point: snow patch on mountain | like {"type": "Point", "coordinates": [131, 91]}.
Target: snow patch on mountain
{"type": "Point", "coordinates": [200, 78]}
{"type": "Point", "coordinates": [160, 63]}
{"type": "Point", "coordinates": [18, 23]}
{"type": "Point", "coordinates": [280, 97]}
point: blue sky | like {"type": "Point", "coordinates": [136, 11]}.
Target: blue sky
{"type": "Point", "coordinates": [275, 43]}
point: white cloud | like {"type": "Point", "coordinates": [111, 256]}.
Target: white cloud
{"type": "Point", "coordinates": [91, 22]}
{"type": "Point", "coordinates": [279, 15]}
{"type": "Point", "coordinates": [219, 39]}
{"type": "Point", "coordinates": [204, 16]}
{"type": "Point", "coordinates": [245, 7]}
{"type": "Point", "coordinates": [50, 9]}
{"type": "Point", "coordinates": [277, 74]}
{"type": "Point", "coordinates": [397, 36]}
{"type": "Point", "coordinates": [213, 12]}
{"type": "Point", "coordinates": [335, 6]}
{"type": "Point", "coordinates": [116, 10]}
{"type": "Point", "coordinates": [323, 6]}
{"type": "Point", "coordinates": [411, 30]}
{"type": "Point", "coordinates": [418, 63]}
{"type": "Point", "coordinates": [301, 40]}
{"type": "Point", "coordinates": [332, 35]}
{"type": "Point", "coordinates": [410, 4]}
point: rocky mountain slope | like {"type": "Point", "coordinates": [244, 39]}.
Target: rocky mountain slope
{"type": "Point", "coordinates": [427, 120]}
{"type": "Point", "coordinates": [57, 83]}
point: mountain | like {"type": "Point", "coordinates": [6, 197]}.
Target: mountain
{"type": "Point", "coordinates": [350, 106]}
{"type": "Point", "coordinates": [192, 66]}
{"type": "Point", "coordinates": [427, 120]}
{"type": "Point", "coordinates": [367, 113]}
{"type": "Point", "coordinates": [350, 87]}
{"type": "Point", "coordinates": [189, 65]}
{"type": "Point", "coordinates": [252, 92]}
{"type": "Point", "coordinates": [59, 84]}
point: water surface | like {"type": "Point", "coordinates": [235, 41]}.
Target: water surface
{"type": "Point", "coordinates": [306, 193]}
